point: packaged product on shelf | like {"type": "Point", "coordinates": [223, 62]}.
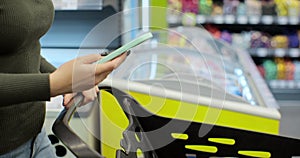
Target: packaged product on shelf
{"type": "Point", "coordinates": [241, 40]}
{"type": "Point", "coordinates": [279, 41]}
{"type": "Point", "coordinates": [253, 7]}
{"type": "Point", "coordinates": [290, 70]}
{"type": "Point", "coordinates": [298, 33]}
{"type": "Point", "coordinates": [293, 8]}
{"type": "Point", "coordinates": [281, 74]}
{"type": "Point", "coordinates": [217, 8]}
{"type": "Point", "coordinates": [259, 40]}
{"type": "Point", "coordinates": [175, 7]}
{"type": "Point", "coordinates": [205, 7]}
{"type": "Point", "coordinates": [215, 32]}
{"type": "Point", "coordinates": [241, 9]}
{"type": "Point", "coordinates": [297, 70]}
{"type": "Point", "coordinates": [293, 39]}
{"type": "Point", "coordinates": [237, 40]}
{"type": "Point", "coordinates": [230, 7]}
{"type": "Point", "coordinates": [268, 7]}
{"type": "Point", "coordinates": [190, 6]}
{"type": "Point", "coordinates": [226, 36]}
{"type": "Point", "coordinates": [270, 68]}
{"type": "Point", "coordinates": [192, 40]}
{"type": "Point", "coordinates": [174, 11]}
{"type": "Point", "coordinates": [281, 7]}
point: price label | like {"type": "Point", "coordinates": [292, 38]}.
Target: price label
{"type": "Point", "coordinates": [70, 4]}
{"type": "Point", "coordinates": [297, 84]}
{"type": "Point", "coordinates": [282, 84]}
{"type": "Point", "coordinates": [267, 19]}
{"type": "Point", "coordinates": [282, 20]}
{"type": "Point", "coordinates": [294, 20]}
{"type": "Point", "coordinates": [254, 19]}
{"type": "Point", "coordinates": [273, 84]}
{"type": "Point", "coordinates": [201, 19]}
{"type": "Point", "coordinates": [279, 52]}
{"type": "Point", "coordinates": [173, 19]}
{"type": "Point", "coordinates": [229, 19]}
{"type": "Point", "coordinates": [242, 19]}
{"type": "Point", "coordinates": [291, 84]}
{"type": "Point", "coordinates": [262, 52]}
{"type": "Point", "coordinates": [294, 52]}
{"type": "Point", "coordinates": [218, 19]}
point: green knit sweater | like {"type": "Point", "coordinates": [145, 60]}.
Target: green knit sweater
{"type": "Point", "coordinates": [24, 74]}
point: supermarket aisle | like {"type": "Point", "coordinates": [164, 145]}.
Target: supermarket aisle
{"type": "Point", "coordinates": [290, 118]}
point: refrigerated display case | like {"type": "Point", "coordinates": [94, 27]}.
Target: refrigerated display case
{"type": "Point", "coordinates": [171, 101]}
{"type": "Point", "coordinates": [183, 73]}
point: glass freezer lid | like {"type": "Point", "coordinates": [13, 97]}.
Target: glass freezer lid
{"type": "Point", "coordinates": [191, 55]}
{"type": "Point", "coordinates": [175, 68]}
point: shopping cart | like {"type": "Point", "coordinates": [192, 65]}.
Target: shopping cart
{"type": "Point", "coordinates": [218, 142]}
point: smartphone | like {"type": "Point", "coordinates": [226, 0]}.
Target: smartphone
{"type": "Point", "coordinates": [125, 47]}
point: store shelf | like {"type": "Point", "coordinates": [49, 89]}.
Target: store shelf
{"type": "Point", "coordinates": [284, 84]}
{"type": "Point", "coordinates": [286, 94]}
{"type": "Point", "coordinates": [72, 29]}
{"type": "Point", "coordinates": [79, 10]}
{"type": "Point", "coordinates": [281, 89]}
{"type": "Point", "coordinates": [78, 4]}
{"type": "Point", "coordinates": [276, 26]}
{"type": "Point", "coordinates": [241, 20]}
{"type": "Point", "coordinates": [285, 89]}
{"type": "Point", "coordinates": [278, 52]}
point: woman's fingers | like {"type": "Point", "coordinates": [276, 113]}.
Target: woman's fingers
{"type": "Point", "coordinates": [119, 60]}
{"type": "Point", "coordinates": [89, 95]}
{"type": "Point", "coordinates": [110, 65]}
{"type": "Point", "coordinates": [81, 74]}
{"type": "Point", "coordinates": [68, 98]}
{"type": "Point", "coordinates": [89, 59]}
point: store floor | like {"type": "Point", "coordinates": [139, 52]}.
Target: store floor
{"type": "Point", "coordinates": [290, 118]}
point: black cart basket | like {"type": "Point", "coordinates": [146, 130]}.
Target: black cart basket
{"type": "Point", "coordinates": [218, 142]}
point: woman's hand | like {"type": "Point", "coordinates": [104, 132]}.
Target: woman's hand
{"type": "Point", "coordinates": [89, 95]}
{"type": "Point", "coordinates": [81, 74]}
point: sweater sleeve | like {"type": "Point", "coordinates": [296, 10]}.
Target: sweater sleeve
{"type": "Point", "coordinates": [20, 88]}
{"type": "Point", "coordinates": [45, 66]}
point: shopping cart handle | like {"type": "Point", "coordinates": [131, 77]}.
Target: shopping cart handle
{"type": "Point", "coordinates": [63, 131]}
